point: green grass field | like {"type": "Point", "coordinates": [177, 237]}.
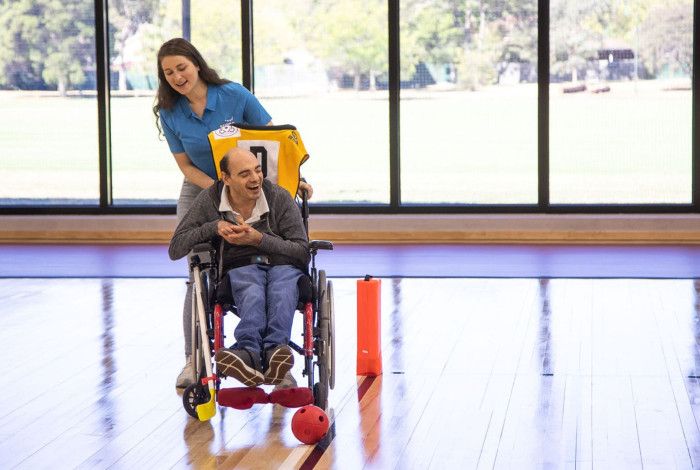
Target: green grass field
{"type": "Point", "coordinates": [632, 145]}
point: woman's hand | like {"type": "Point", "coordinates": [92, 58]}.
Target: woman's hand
{"type": "Point", "coordinates": [304, 186]}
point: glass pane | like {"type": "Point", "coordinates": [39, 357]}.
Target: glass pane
{"type": "Point", "coordinates": [620, 101]}
{"type": "Point", "coordinates": [48, 123]}
{"type": "Point", "coordinates": [319, 68]}
{"type": "Point", "coordinates": [468, 102]}
{"type": "Point", "coordinates": [216, 32]}
{"type": "Point", "coordinates": [143, 169]}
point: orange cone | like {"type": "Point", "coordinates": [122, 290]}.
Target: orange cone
{"type": "Point", "coordinates": [369, 327]}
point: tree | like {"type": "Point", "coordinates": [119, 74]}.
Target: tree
{"type": "Point", "coordinates": [216, 33]}
{"type": "Point", "coordinates": [666, 39]}
{"type": "Point", "coordinates": [352, 35]}
{"type": "Point", "coordinates": [279, 29]}
{"type": "Point", "coordinates": [53, 39]}
{"type": "Point", "coordinates": [18, 23]}
{"type": "Point", "coordinates": [428, 34]}
{"type": "Point", "coordinates": [518, 28]}
{"type": "Point", "coordinates": [580, 29]}
{"type": "Point", "coordinates": [474, 35]}
{"type": "Point", "coordinates": [573, 42]}
{"type": "Point", "coordinates": [126, 17]}
{"type": "Point", "coordinates": [69, 42]}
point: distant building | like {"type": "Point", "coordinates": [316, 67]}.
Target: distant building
{"type": "Point", "coordinates": [616, 62]}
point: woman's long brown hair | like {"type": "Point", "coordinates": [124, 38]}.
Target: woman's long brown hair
{"type": "Point", "coordinates": [167, 96]}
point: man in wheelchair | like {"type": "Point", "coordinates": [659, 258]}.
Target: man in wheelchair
{"type": "Point", "coordinates": [265, 251]}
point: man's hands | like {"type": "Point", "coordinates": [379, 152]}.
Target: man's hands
{"type": "Point", "coordinates": [242, 234]}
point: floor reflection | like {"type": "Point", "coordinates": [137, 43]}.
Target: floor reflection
{"type": "Point", "coordinates": [106, 404]}
{"type": "Point", "coordinates": [396, 364]}
{"type": "Point", "coordinates": [546, 412]}
{"type": "Point", "coordinates": [241, 439]}
{"type": "Point", "coordinates": [544, 335]}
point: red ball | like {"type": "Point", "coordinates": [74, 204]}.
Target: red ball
{"type": "Point", "coordinates": [310, 424]}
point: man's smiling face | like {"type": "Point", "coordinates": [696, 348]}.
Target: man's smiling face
{"type": "Point", "coordinates": [244, 176]}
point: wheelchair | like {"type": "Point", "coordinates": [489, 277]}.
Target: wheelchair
{"type": "Point", "coordinates": [212, 301]}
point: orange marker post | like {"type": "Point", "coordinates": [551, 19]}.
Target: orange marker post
{"type": "Point", "coordinates": [369, 327]}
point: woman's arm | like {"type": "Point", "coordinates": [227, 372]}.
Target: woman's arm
{"type": "Point", "coordinates": [192, 173]}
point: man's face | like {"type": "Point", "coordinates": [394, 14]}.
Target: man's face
{"type": "Point", "coordinates": [244, 178]}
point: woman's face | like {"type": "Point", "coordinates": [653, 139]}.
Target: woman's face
{"type": "Point", "coordinates": [180, 73]}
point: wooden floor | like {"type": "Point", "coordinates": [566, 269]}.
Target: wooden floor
{"type": "Point", "coordinates": [479, 373]}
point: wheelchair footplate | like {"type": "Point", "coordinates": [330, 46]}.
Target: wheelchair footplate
{"type": "Point", "coordinates": [242, 398]}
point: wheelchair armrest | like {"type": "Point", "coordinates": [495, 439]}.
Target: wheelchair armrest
{"type": "Point", "coordinates": [201, 253]}
{"type": "Point", "coordinates": [320, 245]}
{"type": "Point", "coordinates": [202, 247]}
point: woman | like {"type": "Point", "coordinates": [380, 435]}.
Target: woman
{"type": "Point", "coordinates": [192, 100]}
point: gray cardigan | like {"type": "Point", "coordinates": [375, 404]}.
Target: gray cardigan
{"type": "Point", "coordinates": [284, 238]}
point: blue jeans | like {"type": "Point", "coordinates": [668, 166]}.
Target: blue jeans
{"type": "Point", "coordinates": [266, 298]}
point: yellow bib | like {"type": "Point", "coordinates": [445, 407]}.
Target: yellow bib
{"type": "Point", "coordinates": [279, 150]}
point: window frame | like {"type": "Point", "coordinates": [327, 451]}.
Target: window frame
{"type": "Point", "coordinates": [395, 206]}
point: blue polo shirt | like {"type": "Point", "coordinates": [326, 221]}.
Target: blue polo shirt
{"type": "Point", "coordinates": [186, 132]}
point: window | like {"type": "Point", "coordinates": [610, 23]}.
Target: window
{"type": "Point", "coordinates": [143, 169]}
{"type": "Point", "coordinates": [620, 102]}
{"type": "Point", "coordinates": [619, 105]}
{"type": "Point", "coordinates": [48, 123]}
{"type": "Point", "coordinates": [319, 68]}
{"type": "Point", "coordinates": [468, 102]}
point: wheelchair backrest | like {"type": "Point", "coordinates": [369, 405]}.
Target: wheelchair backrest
{"type": "Point", "coordinates": [279, 149]}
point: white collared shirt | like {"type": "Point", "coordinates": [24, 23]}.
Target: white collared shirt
{"type": "Point", "coordinates": [261, 208]}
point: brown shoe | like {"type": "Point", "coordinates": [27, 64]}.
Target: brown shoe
{"type": "Point", "coordinates": [241, 364]}
{"type": "Point", "coordinates": [279, 360]}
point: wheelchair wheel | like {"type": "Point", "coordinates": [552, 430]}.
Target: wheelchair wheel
{"type": "Point", "coordinates": [325, 363]}
{"type": "Point", "coordinates": [320, 396]}
{"type": "Point", "coordinates": [195, 394]}
{"type": "Point", "coordinates": [331, 336]}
